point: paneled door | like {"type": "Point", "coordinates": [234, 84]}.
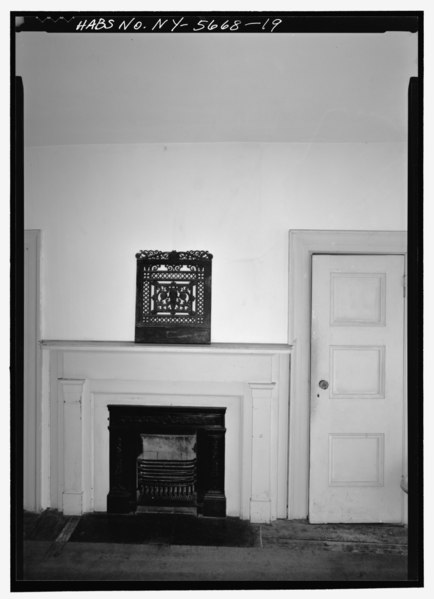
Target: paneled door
{"type": "Point", "coordinates": [357, 389]}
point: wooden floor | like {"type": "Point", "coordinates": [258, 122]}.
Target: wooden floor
{"type": "Point", "coordinates": [60, 553]}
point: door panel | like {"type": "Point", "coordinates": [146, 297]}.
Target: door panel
{"type": "Point", "coordinates": [356, 446]}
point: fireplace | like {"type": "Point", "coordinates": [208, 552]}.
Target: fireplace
{"type": "Point", "coordinates": [167, 459]}
{"type": "Point", "coordinates": [203, 389]}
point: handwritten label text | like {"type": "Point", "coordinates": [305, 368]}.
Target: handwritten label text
{"type": "Point", "coordinates": [176, 24]}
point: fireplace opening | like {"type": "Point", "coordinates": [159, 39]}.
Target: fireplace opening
{"type": "Point", "coordinates": [167, 473]}
{"type": "Point", "coordinates": [167, 459]}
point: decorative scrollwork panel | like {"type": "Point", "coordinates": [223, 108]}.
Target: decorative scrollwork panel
{"type": "Point", "coordinates": [173, 299]}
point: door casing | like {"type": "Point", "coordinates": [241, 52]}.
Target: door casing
{"type": "Point", "coordinates": [32, 378]}
{"type": "Point", "coordinates": [302, 245]}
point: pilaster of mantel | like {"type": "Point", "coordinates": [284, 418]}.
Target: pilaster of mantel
{"type": "Point", "coordinates": [71, 416]}
{"type": "Point", "coordinates": [261, 491]}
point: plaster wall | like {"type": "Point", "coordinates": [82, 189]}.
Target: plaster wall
{"type": "Point", "coordinates": [97, 205]}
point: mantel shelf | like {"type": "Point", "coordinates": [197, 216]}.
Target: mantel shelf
{"type": "Point", "coordinates": [130, 346]}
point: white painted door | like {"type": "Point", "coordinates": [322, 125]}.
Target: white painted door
{"type": "Point", "coordinates": [357, 389]}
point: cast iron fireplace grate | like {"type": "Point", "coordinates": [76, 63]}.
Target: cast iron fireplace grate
{"type": "Point", "coordinates": [167, 472]}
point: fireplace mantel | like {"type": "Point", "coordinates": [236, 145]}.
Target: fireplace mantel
{"type": "Point", "coordinates": [82, 378]}
{"type": "Point", "coordinates": [130, 346]}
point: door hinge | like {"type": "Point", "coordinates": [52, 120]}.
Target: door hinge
{"type": "Point", "coordinates": [404, 285]}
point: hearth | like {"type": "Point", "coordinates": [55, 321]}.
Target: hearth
{"type": "Point", "coordinates": [167, 459]}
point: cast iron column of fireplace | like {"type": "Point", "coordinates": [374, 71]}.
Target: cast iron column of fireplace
{"type": "Point", "coordinates": [120, 499]}
{"type": "Point", "coordinates": [214, 500]}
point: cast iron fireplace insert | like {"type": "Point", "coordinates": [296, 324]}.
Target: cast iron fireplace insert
{"type": "Point", "coordinates": [130, 424]}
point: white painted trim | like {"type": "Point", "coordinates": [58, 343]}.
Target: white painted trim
{"type": "Point", "coordinates": [32, 411]}
{"type": "Point", "coordinates": [71, 398]}
{"type": "Point", "coordinates": [302, 244]}
{"type": "Point", "coordinates": [264, 452]}
{"type": "Point", "coordinates": [54, 366]}
{"type": "Point", "coordinates": [45, 431]}
{"type": "Point", "coordinates": [405, 407]}
{"type": "Point", "coordinates": [130, 346]}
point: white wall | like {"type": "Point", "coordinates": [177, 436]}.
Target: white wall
{"type": "Point", "coordinates": [284, 131]}
{"type": "Point", "coordinates": [97, 205]}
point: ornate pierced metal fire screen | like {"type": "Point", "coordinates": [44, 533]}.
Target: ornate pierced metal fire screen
{"type": "Point", "coordinates": [173, 299]}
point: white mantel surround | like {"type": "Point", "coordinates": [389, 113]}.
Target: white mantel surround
{"type": "Point", "coordinates": [81, 378]}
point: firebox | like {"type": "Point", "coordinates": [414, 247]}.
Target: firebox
{"type": "Point", "coordinates": [167, 473]}
{"type": "Point", "coordinates": [167, 459]}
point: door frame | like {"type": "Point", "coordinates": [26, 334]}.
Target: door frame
{"type": "Point", "coordinates": [302, 245]}
{"type": "Point", "coordinates": [32, 413]}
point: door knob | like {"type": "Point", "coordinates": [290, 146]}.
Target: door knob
{"type": "Point", "coordinates": [323, 384]}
